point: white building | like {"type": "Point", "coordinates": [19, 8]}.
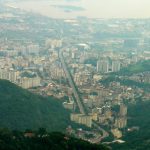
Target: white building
{"type": "Point", "coordinates": [103, 66]}
{"type": "Point", "coordinates": [115, 65]}
{"type": "Point", "coordinates": [29, 82]}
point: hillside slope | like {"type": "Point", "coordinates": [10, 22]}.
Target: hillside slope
{"type": "Point", "coordinates": [139, 116]}
{"type": "Point", "coordinates": [20, 109]}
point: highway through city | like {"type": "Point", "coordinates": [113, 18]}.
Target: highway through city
{"type": "Point", "coordinates": [79, 101]}
{"type": "Point", "coordinates": [72, 84]}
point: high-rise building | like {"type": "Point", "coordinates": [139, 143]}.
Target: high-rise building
{"type": "Point", "coordinates": [82, 119]}
{"type": "Point", "coordinates": [123, 110]}
{"type": "Point", "coordinates": [10, 75]}
{"type": "Point", "coordinates": [30, 82]}
{"type": "Point", "coordinates": [115, 65]}
{"type": "Point", "coordinates": [121, 122]}
{"type": "Point", "coordinates": [103, 66]}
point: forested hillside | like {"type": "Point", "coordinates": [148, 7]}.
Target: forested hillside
{"type": "Point", "coordinates": [139, 123]}
{"type": "Point", "coordinates": [20, 109]}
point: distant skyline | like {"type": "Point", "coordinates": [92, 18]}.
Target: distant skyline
{"type": "Point", "coordinates": [89, 8]}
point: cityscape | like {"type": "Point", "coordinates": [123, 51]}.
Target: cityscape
{"type": "Point", "coordinates": [93, 66]}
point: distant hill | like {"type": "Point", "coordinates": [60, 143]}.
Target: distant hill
{"type": "Point", "coordinates": [21, 109]}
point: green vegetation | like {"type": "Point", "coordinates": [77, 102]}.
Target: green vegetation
{"type": "Point", "coordinates": [125, 82]}
{"type": "Point", "coordinates": [21, 109]}
{"type": "Point", "coordinates": [135, 68]}
{"type": "Point", "coordinates": [41, 140]}
{"type": "Point", "coordinates": [92, 61]}
{"type": "Point", "coordinates": [138, 116]}
{"type": "Point", "coordinates": [130, 70]}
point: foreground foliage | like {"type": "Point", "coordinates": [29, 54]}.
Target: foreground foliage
{"type": "Point", "coordinates": [41, 140]}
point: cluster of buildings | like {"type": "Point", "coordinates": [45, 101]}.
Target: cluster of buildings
{"type": "Point", "coordinates": [89, 56]}
{"type": "Point", "coordinates": [15, 77]}
{"type": "Point", "coordinates": [31, 69]}
{"type": "Point", "coordinates": [107, 65]}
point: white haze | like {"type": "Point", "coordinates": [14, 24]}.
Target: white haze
{"type": "Point", "coordinates": [93, 8]}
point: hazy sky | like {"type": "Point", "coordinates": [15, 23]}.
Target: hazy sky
{"type": "Point", "coordinates": [93, 8]}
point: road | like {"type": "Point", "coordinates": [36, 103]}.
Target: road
{"type": "Point", "coordinates": [105, 133]}
{"type": "Point", "coordinates": [79, 101]}
{"type": "Point", "coordinates": [71, 82]}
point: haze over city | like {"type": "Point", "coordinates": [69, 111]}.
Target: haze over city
{"type": "Point", "coordinates": [88, 8]}
{"type": "Point", "coordinates": [74, 74]}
